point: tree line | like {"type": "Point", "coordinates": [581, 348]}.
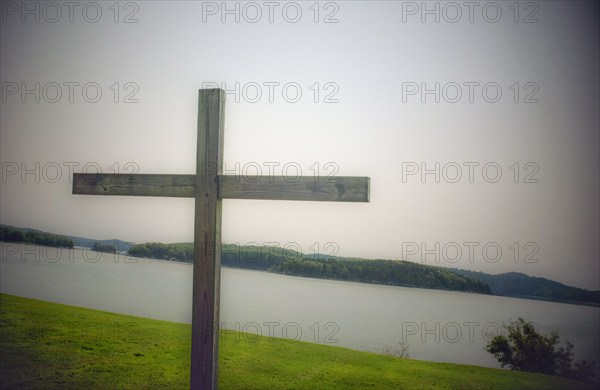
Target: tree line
{"type": "Point", "coordinates": [290, 262]}
{"type": "Point", "coordinates": [156, 250]}
{"type": "Point", "coordinates": [11, 234]}
{"type": "Point", "coordinates": [100, 247]}
{"type": "Point", "coordinates": [232, 255]}
{"type": "Point", "coordinates": [514, 284]}
{"type": "Point", "coordinates": [390, 272]}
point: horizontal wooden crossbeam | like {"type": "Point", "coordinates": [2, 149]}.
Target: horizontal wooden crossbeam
{"type": "Point", "coordinates": [339, 189]}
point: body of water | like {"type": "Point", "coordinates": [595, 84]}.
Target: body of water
{"type": "Point", "coordinates": [437, 325]}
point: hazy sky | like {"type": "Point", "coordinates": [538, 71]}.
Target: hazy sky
{"type": "Point", "coordinates": [514, 130]}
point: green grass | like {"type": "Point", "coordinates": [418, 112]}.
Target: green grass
{"type": "Point", "coordinates": [50, 346]}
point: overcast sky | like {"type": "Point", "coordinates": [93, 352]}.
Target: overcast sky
{"type": "Point", "coordinates": [503, 98]}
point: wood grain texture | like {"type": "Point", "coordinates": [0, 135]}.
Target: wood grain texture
{"type": "Point", "coordinates": [207, 240]}
{"type": "Point", "coordinates": [181, 186]}
{"type": "Point", "coordinates": [305, 188]}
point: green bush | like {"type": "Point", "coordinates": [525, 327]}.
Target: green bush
{"type": "Point", "coordinates": [526, 350]}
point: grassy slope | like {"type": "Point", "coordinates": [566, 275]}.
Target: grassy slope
{"type": "Point", "coordinates": [52, 346]}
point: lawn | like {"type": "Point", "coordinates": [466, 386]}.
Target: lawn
{"type": "Point", "coordinates": [51, 346]}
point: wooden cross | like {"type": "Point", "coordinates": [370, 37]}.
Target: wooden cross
{"type": "Point", "coordinates": [208, 186]}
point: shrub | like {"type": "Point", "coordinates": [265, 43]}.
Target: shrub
{"type": "Point", "coordinates": [526, 350]}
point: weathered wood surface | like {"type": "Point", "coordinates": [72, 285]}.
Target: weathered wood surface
{"type": "Point", "coordinates": [207, 240]}
{"type": "Point", "coordinates": [183, 186]}
{"type": "Point", "coordinates": [339, 189]}
{"type": "Point", "coordinates": [306, 188]}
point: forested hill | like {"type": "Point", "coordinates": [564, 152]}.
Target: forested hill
{"type": "Point", "coordinates": [289, 262]}
{"type": "Point", "coordinates": [32, 236]}
{"type": "Point", "coordinates": [514, 284]}
{"type": "Point", "coordinates": [389, 272]}
{"type": "Point", "coordinates": [13, 233]}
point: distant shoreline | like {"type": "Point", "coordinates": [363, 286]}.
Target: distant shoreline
{"type": "Point", "coordinates": [530, 297]}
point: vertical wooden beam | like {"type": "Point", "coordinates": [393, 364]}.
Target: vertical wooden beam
{"type": "Point", "coordinates": [207, 241]}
